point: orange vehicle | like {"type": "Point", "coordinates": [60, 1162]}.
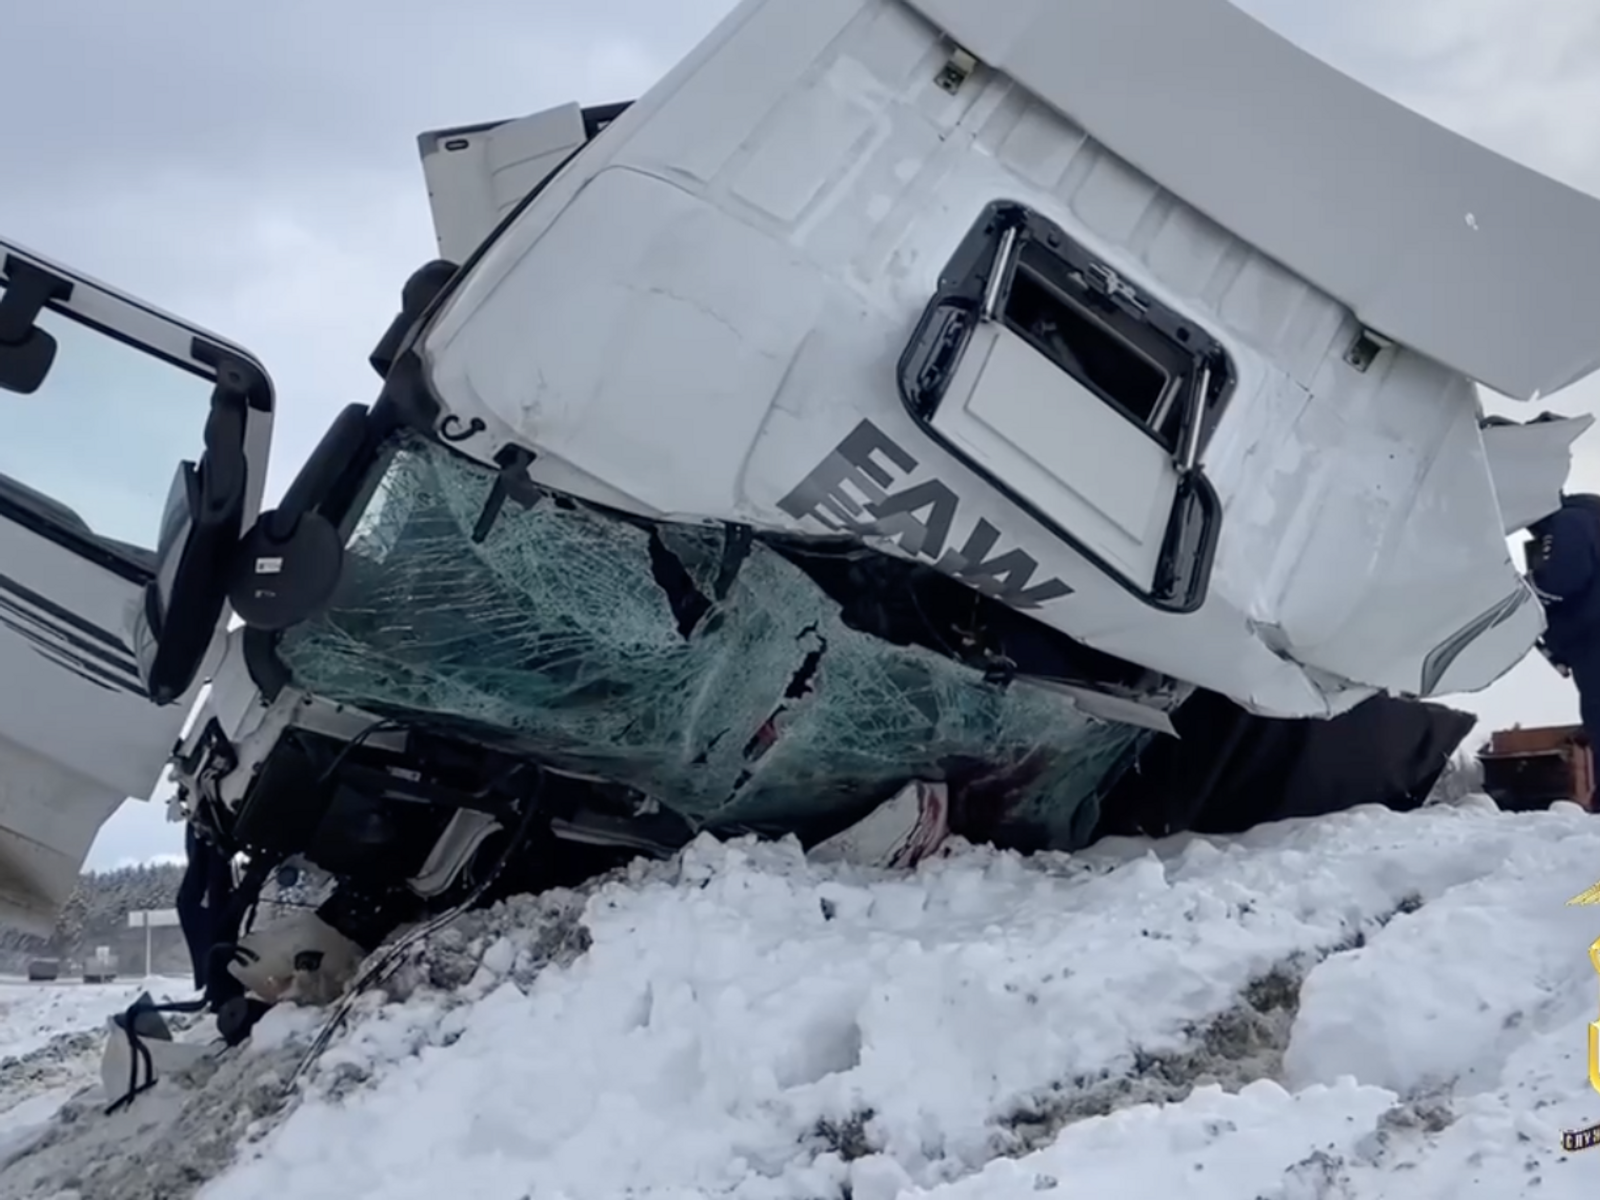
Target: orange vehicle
{"type": "Point", "coordinates": [1533, 768]}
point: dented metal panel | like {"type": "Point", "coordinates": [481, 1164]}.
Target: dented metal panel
{"type": "Point", "coordinates": [1423, 233]}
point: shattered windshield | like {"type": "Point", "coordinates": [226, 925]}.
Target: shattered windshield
{"type": "Point", "coordinates": [736, 696]}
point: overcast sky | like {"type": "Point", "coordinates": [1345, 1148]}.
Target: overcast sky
{"type": "Point", "coordinates": [253, 166]}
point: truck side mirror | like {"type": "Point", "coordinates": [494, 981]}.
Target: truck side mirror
{"type": "Point", "coordinates": [27, 352]}
{"type": "Point", "coordinates": [424, 286]}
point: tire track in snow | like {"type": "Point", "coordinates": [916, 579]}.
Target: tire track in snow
{"type": "Point", "coordinates": [740, 1023]}
{"type": "Point", "coordinates": [1231, 1049]}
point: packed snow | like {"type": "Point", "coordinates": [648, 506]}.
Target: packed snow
{"type": "Point", "coordinates": [50, 1047]}
{"type": "Point", "coordinates": [1372, 1005]}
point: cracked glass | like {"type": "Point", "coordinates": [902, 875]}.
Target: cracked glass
{"type": "Point", "coordinates": [733, 694]}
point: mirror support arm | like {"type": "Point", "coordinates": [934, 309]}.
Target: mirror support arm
{"type": "Point", "coordinates": [28, 289]}
{"type": "Point", "coordinates": [27, 352]}
{"type": "Point", "coordinates": [183, 603]}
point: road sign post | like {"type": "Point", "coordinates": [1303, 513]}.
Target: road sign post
{"type": "Point", "coordinates": [148, 919]}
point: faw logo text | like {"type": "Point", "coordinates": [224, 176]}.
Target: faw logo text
{"type": "Point", "coordinates": [919, 518]}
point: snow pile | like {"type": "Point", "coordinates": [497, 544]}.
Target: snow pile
{"type": "Point", "coordinates": [31, 1014]}
{"type": "Point", "coordinates": [1370, 1005]}
{"type": "Point", "coordinates": [50, 1044]}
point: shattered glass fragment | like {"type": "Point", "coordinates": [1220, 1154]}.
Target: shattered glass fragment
{"type": "Point", "coordinates": [703, 669]}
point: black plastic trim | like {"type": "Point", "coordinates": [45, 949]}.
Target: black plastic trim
{"type": "Point", "coordinates": [257, 387]}
{"type": "Point", "coordinates": [425, 283]}
{"type": "Point", "coordinates": [267, 672]}
{"type": "Point", "coordinates": [262, 402]}
{"type": "Point", "coordinates": [940, 338]}
{"type": "Point", "coordinates": [30, 289]}
{"type": "Point", "coordinates": [596, 117]}
{"type": "Point", "coordinates": [184, 618]}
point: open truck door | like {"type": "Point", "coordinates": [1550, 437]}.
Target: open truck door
{"type": "Point", "coordinates": [133, 453]}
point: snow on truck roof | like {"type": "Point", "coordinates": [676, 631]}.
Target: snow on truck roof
{"type": "Point", "coordinates": [1431, 239]}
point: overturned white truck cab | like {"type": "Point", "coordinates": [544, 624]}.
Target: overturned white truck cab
{"type": "Point", "coordinates": [900, 393]}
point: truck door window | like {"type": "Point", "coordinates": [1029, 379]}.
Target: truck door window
{"type": "Point", "coordinates": [90, 456]}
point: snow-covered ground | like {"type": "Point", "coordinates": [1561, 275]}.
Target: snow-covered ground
{"type": "Point", "coordinates": [1368, 1006]}
{"type": "Point", "coordinates": [50, 1046]}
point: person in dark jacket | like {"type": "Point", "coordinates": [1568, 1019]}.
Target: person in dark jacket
{"type": "Point", "coordinates": [1564, 567]}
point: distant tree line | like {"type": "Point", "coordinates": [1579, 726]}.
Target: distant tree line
{"type": "Point", "coordinates": [97, 915]}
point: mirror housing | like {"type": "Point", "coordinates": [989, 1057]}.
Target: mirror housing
{"type": "Point", "coordinates": [289, 563]}
{"type": "Point", "coordinates": [27, 352]}
{"type": "Point", "coordinates": [199, 535]}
